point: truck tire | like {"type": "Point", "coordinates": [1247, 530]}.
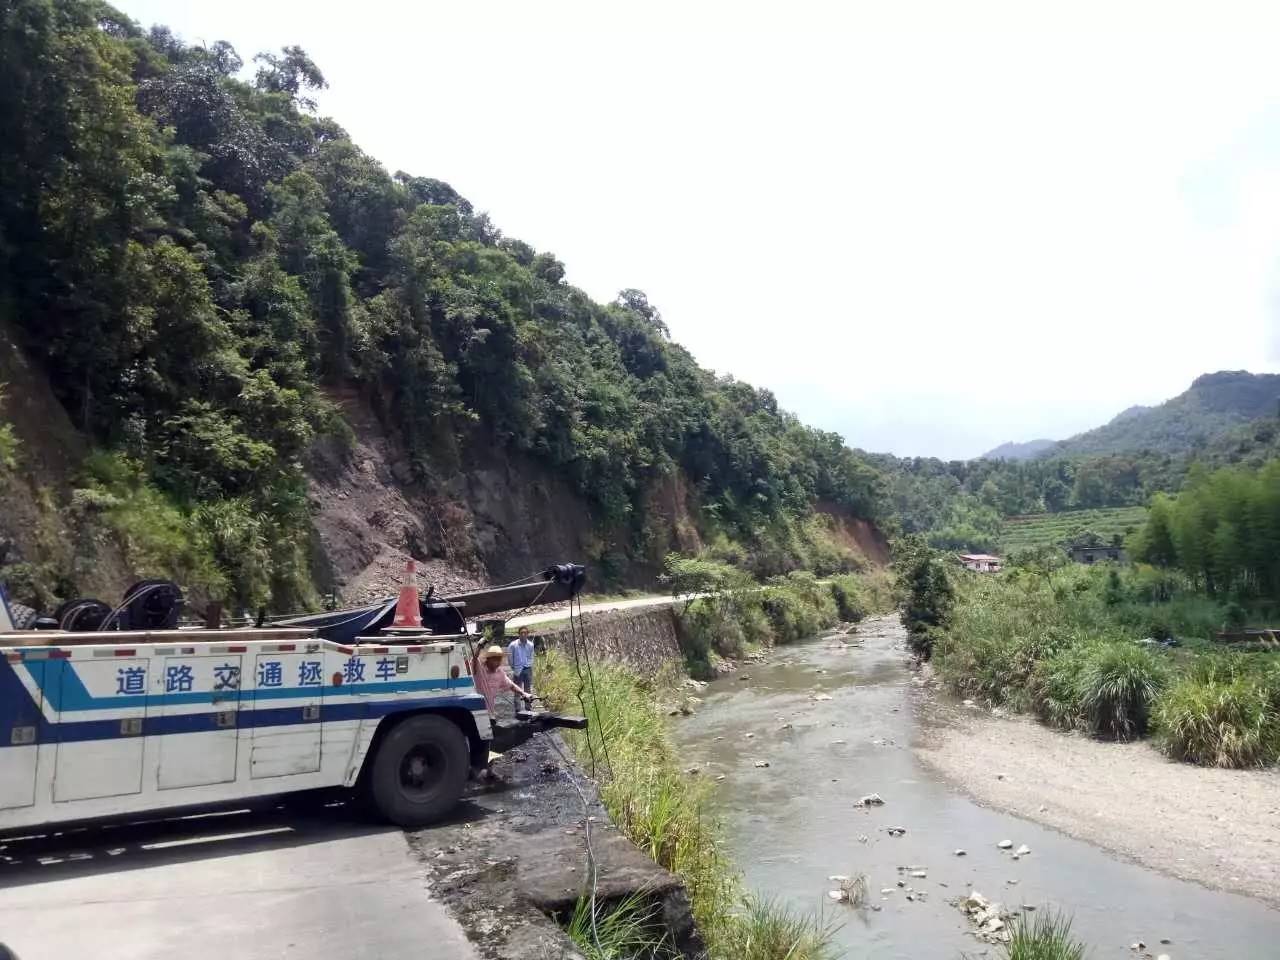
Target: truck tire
{"type": "Point", "coordinates": [420, 770]}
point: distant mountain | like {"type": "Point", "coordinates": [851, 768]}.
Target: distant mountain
{"type": "Point", "coordinates": [1214, 405]}
{"type": "Point", "coordinates": [1018, 451]}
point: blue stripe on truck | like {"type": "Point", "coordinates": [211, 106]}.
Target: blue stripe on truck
{"type": "Point", "coordinates": [64, 691]}
{"type": "Point", "coordinates": [18, 709]}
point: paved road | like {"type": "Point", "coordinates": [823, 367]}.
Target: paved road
{"type": "Point", "coordinates": [547, 616]}
{"type": "Point", "coordinates": [247, 886]}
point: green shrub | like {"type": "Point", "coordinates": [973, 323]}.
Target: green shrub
{"type": "Point", "coordinates": [1219, 722]}
{"type": "Point", "coordinates": [924, 590]}
{"type": "Point", "coordinates": [798, 606]}
{"type": "Point", "coordinates": [1118, 684]}
{"type": "Point", "coordinates": [851, 603]}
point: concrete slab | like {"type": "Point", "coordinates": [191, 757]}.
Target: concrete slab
{"type": "Point", "coordinates": [243, 886]}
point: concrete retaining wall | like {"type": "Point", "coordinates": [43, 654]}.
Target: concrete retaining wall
{"type": "Point", "coordinates": [644, 639]}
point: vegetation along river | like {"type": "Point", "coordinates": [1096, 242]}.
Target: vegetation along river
{"type": "Point", "coordinates": [796, 822]}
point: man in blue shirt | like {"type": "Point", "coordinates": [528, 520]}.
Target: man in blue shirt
{"type": "Point", "coordinates": [520, 656]}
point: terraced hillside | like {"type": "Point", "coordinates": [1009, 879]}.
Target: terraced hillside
{"type": "Point", "coordinates": [1047, 529]}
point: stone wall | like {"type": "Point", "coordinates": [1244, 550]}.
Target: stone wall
{"type": "Point", "coordinates": [644, 639]}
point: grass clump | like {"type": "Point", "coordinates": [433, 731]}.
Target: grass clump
{"type": "Point", "coordinates": [1118, 684]}
{"type": "Point", "coordinates": [1047, 936]}
{"type": "Point", "coordinates": [1219, 722]}
{"type": "Point", "coordinates": [667, 814]}
{"type": "Point", "coordinates": [629, 930]}
{"type": "Point", "coordinates": [768, 930]}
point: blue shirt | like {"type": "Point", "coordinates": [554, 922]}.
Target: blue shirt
{"type": "Point", "coordinates": [521, 655]}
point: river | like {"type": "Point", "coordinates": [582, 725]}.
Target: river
{"type": "Point", "coordinates": [795, 822]}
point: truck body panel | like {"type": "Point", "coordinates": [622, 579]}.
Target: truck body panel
{"type": "Point", "coordinates": [104, 725]}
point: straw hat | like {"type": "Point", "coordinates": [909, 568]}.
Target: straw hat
{"type": "Point", "coordinates": [493, 651]}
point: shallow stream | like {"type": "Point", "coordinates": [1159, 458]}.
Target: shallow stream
{"type": "Point", "coordinates": [795, 822]}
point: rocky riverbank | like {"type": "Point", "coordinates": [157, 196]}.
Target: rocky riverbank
{"type": "Point", "coordinates": [512, 862]}
{"type": "Point", "coordinates": [1220, 828]}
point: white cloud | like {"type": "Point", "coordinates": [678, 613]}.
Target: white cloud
{"type": "Point", "coordinates": [932, 227]}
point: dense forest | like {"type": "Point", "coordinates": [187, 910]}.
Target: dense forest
{"type": "Point", "coordinates": [1222, 531]}
{"type": "Point", "coordinates": [195, 257]}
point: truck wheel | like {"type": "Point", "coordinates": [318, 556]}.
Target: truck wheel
{"type": "Point", "coordinates": [420, 770]}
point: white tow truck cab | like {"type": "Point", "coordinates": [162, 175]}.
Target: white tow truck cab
{"type": "Point", "coordinates": [114, 723]}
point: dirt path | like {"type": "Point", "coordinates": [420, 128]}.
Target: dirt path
{"type": "Point", "coordinates": [1220, 828]}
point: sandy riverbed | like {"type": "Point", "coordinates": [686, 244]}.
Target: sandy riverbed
{"type": "Point", "coordinates": [1220, 828]}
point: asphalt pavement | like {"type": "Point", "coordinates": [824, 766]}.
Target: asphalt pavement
{"type": "Point", "coordinates": [547, 616]}
{"type": "Point", "coordinates": [236, 886]}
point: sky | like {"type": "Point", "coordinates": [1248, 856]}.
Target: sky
{"type": "Point", "coordinates": [930, 227]}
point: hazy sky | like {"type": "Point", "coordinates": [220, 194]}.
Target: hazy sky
{"type": "Point", "coordinates": [930, 227]}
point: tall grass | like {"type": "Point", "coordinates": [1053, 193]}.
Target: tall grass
{"type": "Point", "coordinates": [667, 815]}
{"type": "Point", "coordinates": [1219, 722]}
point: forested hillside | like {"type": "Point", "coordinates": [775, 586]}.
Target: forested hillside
{"type": "Point", "coordinates": [199, 265]}
{"type": "Point", "coordinates": [1213, 405]}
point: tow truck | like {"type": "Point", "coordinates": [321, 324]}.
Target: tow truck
{"type": "Point", "coordinates": [110, 712]}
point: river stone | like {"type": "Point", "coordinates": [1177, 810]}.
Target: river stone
{"type": "Point", "coordinates": [919, 874]}
{"type": "Point", "coordinates": [959, 852]}
{"type": "Point", "coordinates": [821, 696]}
{"type": "Point", "coordinates": [762, 763]}
{"type": "Point", "coordinates": [837, 895]}
{"type": "Point", "coordinates": [871, 800]}
{"type": "Point", "coordinates": [1022, 851]}
{"type": "Point", "coordinates": [1005, 844]}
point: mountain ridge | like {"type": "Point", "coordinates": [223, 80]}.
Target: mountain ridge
{"type": "Point", "coordinates": [1212, 406]}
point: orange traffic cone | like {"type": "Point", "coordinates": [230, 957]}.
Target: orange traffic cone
{"type": "Point", "coordinates": [408, 611]}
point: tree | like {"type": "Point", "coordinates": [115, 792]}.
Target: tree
{"type": "Point", "coordinates": [290, 74]}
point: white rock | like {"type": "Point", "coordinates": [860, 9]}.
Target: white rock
{"type": "Point", "coordinates": [1023, 850]}
{"type": "Point", "coordinates": [959, 852]}
{"type": "Point", "coordinates": [838, 878]}
{"type": "Point", "coordinates": [884, 890]}
{"type": "Point", "coordinates": [919, 874]}
{"type": "Point", "coordinates": [747, 736]}
{"type": "Point", "coordinates": [821, 696]}
{"type": "Point", "coordinates": [762, 763]}
{"type": "Point", "coordinates": [837, 895]}
{"type": "Point", "coordinates": [871, 800]}
{"type": "Point", "coordinates": [1005, 844]}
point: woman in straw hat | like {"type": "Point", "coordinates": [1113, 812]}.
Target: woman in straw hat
{"type": "Point", "coordinates": [491, 679]}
